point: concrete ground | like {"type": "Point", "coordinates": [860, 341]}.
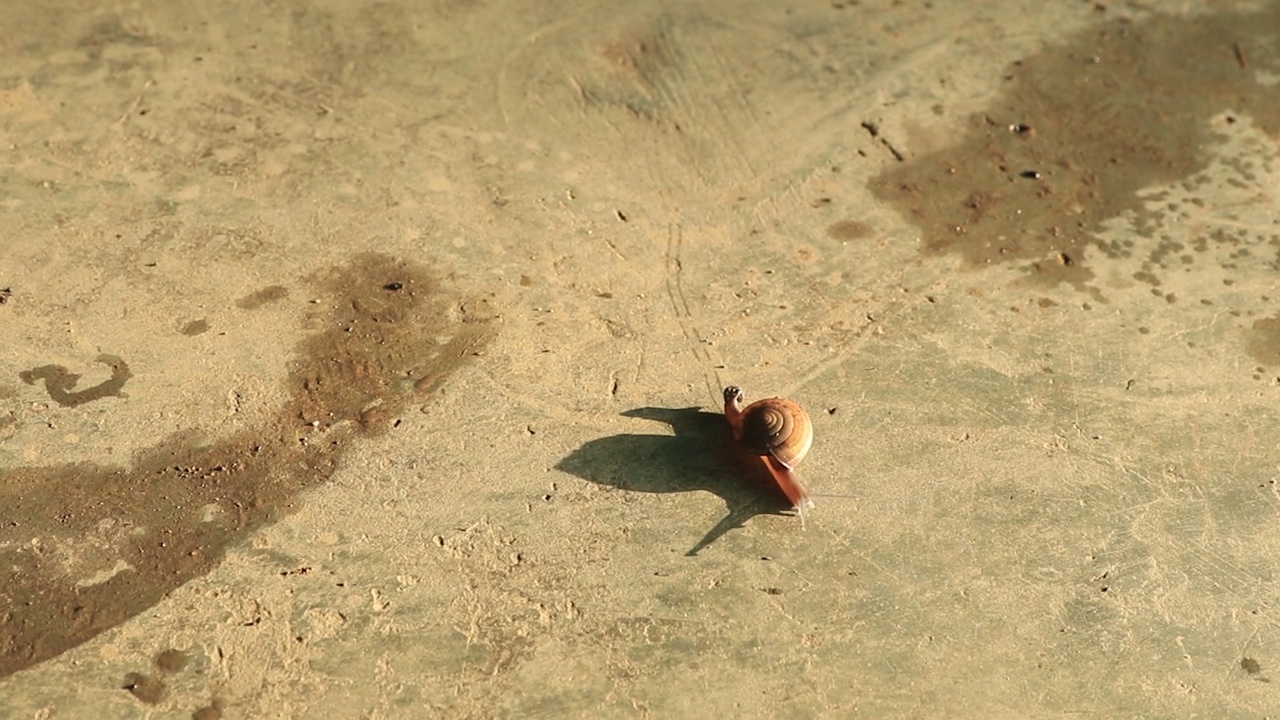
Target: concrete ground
{"type": "Point", "coordinates": [363, 359]}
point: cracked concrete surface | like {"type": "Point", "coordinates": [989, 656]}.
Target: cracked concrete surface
{"type": "Point", "coordinates": [363, 359]}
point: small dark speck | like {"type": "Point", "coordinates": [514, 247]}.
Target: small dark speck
{"type": "Point", "coordinates": [1021, 129]}
{"type": "Point", "coordinates": [393, 286]}
{"type": "Point", "coordinates": [1250, 665]}
{"type": "Point", "coordinates": [832, 411]}
{"type": "Point", "coordinates": [1030, 174]}
{"type": "Point", "coordinates": [150, 264]}
{"type": "Point", "coordinates": [772, 591]}
{"type": "Point", "coordinates": [621, 215]}
{"type": "Point", "coordinates": [1065, 259]}
{"type": "Point", "coordinates": [5, 294]}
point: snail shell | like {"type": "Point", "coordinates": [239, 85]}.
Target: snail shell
{"type": "Point", "coordinates": [777, 430]}
{"type": "Point", "coordinates": [774, 426]}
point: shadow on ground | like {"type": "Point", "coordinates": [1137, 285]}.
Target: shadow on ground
{"type": "Point", "coordinates": [700, 456]}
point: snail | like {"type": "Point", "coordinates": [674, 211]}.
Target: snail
{"type": "Point", "coordinates": [779, 432]}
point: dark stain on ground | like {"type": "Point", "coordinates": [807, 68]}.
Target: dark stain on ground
{"type": "Point", "coordinates": [1254, 669]}
{"type": "Point", "coordinates": [269, 294]}
{"type": "Point", "coordinates": [170, 516]}
{"type": "Point", "coordinates": [1078, 130]}
{"type": "Point", "coordinates": [146, 688]}
{"type": "Point", "coordinates": [212, 711]}
{"type": "Point", "coordinates": [848, 230]}
{"type": "Point", "coordinates": [60, 383]}
{"type": "Point", "coordinates": [1262, 341]}
{"type": "Point", "coordinates": [150, 689]}
{"type": "Point", "coordinates": [195, 327]}
{"type": "Point", "coordinates": [171, 660]}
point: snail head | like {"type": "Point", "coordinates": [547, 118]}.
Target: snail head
{"type": "Point", "coordinates": [733, 394]}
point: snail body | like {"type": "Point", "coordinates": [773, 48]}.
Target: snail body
{"type": "Point", "coordinates": [777, 430]}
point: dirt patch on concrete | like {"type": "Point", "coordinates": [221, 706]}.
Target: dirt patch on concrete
{"type": "Point", "coordinates": [86, 546]}
{"type": "Point", "coordinates": [1079, 130]}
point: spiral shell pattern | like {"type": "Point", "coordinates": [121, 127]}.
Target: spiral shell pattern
{"type": "Point", "coordinates": [777, 427]}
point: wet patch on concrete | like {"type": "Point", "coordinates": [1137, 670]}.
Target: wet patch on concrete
{"type": "Point", "coordinates": [60, 383]}
{"type": "Point", "coordinates": [84, 547]}
{"type": "Point", "coordinates": [1078, 131]}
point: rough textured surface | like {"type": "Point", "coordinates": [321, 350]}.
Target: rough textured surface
{"type": "Point", "coordinates": [363, 359]}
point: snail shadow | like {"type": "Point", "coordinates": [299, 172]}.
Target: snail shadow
{"type": "Point", "coordinates": [700, 456]}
